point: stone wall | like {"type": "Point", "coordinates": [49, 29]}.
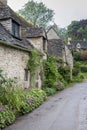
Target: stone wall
{"type": "Point", "coordinates": [51, 34]}
{"type": "Point", "coordinates": [37, 43]}
{"type": "Point", "coordinates": [7, 24]}
{"type": "Point", "coordinates": [69, 57]}
{"type": "Point", "coordinates": [13, 63]}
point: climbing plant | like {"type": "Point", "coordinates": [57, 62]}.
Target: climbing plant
{"type": "Point", "coordinates": [34, 62]}
{"type": "Point", "coordinates": [50, 72]}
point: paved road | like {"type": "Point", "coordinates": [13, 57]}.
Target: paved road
{"type": "Point", "coordinates": [64, 111]}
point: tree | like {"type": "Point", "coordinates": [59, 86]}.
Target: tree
{"type": "Point", "coordinates": [77, 30]}
{"type": "Point", "coordinates": [37, 14]}
{"type": "Point", "coordinates": [62, 33]}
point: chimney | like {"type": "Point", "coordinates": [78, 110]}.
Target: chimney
{"type": "Point", "coordinates": [4, 2]}
{"type": "Point", "coordinates": [69, 40]}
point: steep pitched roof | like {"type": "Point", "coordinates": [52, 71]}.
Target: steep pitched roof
{"type": "Point", "coordinates": [52, 33]}
{"type": "Point", "coordinates": [6, 12]}
{"type": "Point", "coordinates": [83, 44]}
{"type": "Point", "coordinates": [55, 47]}
{"type": "Point", "coordinates": [6, 36]}
{"type": "Point", "coordinates": [35, 32]}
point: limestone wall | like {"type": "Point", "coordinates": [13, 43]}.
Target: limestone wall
{"type": "Point", "coordinates": [13, 62]}
{"type": "Point", "coordinates": [69, 57]}
{"type": "Point", "coordinates": [7, 24]}
{"type": "Point", "coordinates": [37, 43]}
{"type": "Point", "coordinates": [51, 34]}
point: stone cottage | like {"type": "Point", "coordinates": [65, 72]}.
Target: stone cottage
{"type": "Point", "coordinates": [17, 39]}
{"type": "Point", "coordinates": [77, 45]}
{"type": "Point", "coordinates": [55, 44]}
{"type": "Point", "coordinates": [57, 47]}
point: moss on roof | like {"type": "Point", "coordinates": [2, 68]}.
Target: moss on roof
{"type": "Point", "coordinates": [14, 46]}
{"type": "Point", "coordinates": [23, 20]}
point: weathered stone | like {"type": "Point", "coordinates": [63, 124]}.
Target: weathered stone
{"type": "Point", "coordinates": [13, 63]}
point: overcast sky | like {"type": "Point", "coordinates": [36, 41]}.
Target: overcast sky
{"type": "Point", "coordinates": [65, 10]}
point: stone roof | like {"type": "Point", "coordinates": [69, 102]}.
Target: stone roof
{"type": "Point", "coordinates": [6, 36]}
{"type": "Point", "coordinates": [83, 44]}
{"type": "Point", "coordinates": [6, 12]}
{"type": "Point", "coordinates": [55, 47]}
{"type": "Point", "coordinates": [35, 32]}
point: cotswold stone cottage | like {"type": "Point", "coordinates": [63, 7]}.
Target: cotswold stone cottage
{"type": "Point", "coordinates": [55, 44]}
{"type": "Point", "coordinates": [77, 45]}
{"type": "Point", "coordinates": [17, 39]}
{"type": "Point", "coordinates": [57, 47]}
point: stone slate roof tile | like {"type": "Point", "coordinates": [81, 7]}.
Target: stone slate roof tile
{"type": "Point", "coordinates": [82, 43]}
{"type": "Point", "coordinates": [55, 47]}
{"type": "Point", "coordinates": [6, 36]}
{"type": "Point", "coordinates": [6, 12]}
{"type": "Point", "coordinates": [35, 32]}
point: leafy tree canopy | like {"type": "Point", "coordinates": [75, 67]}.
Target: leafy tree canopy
{"type": "Point", "coordinates": [77, 30]}
{"type": "Point", "coordinates": [62, 33]}
{"type": "Point", "coordinates": [37, 13]}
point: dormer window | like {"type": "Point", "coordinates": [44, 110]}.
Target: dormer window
{"type": "Point", "coordinates": [78, 45]}
{"type": "Point", "coordinates": [15, 29]}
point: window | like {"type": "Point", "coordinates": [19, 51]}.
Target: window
{"type": "Point", "coordinates": [78, 45]}
{"type": "Point", "coordinates": [26, 75]}
{"type": "Point", "coordinates": [44, 44]}
{"type": "Point", "coordinates": [15, 29]}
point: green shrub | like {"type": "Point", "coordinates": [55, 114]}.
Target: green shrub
{"type": "Point", "coordinates": [36, 97]}
{"type": "Point", "coordinates": [65, 72]}
{"type": "Point", "coordinates": [25, 108]}
{"type": "Point", "coordinates": [78, 78]}
{"type": "Point", "coordinates": [76, 68]}
{"type": "Point", "coordinates": [50, 72]}
{"type": "Point", "coordinates": [7, 117]}
{"type": "Point", "coordinates": [12, 97]}
{"type": "Point", "coordinates": [60, 86]}
{"type": "Point", "coordinates": [49, 91]}
{"type": "Point", "coordinates": [77, 56]}
{"type": "Point", "coordinates": [83, 69]}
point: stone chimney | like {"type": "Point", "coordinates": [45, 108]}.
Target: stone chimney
{"type": "Point", "coordinates": [69, 40]}
{"type": "Point", "coordinates": [4, 2]}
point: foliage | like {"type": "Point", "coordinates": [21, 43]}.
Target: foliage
{"type": "Point", "coordinates": [77, 30]}
{"type": "Point", "coordinates": [65, 72]}
{"type": "Point", "coordinates": [34, 62]}
{"type": "Point", "coordinates": [60, 85]}
{"type": "Point", "coordinates": [11, 97]}
{"type": "Point", "coordinates": [19, 102]}
{"type": "Point", "coordinates": [83, 55]}
{"type": "Point", "coordinates": [78, 78]}
{"type": "Point", "coordinates": [2, 79]}
{"type": "Point", "coordinates": [7, 117]}
{"type": "Point", "coordinates": [80, 56]}
{"type": "Point", "coordinates": [83, 69]}
{"type": "Point", "coordinates": [49, 91]}
{"type": "Point", "coordinates": [62, 33]}
{"type": "Point", "coordinates": [33, 99]}
{"type": "Point", "coordinates": [77, 66]}
{"type": "Point", "coordinates": [37, 13]}
{"type": "Point", "coordinates": [76, 56]}
{"type": "Point", "coordinates": [50, 72]}
{"type": "Point", "coordinates": [15, 101]}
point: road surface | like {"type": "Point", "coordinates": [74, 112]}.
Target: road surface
{"type": "Point", "coordinates": [64, 111]}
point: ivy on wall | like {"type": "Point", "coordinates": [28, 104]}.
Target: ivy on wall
{"type": "Point", "coordinates": [34, 62]}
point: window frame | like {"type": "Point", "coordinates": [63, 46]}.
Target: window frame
{"type": "Point", "coordinates": [26, 74]}
{"type": "Point", "coordinates": [15, 29]}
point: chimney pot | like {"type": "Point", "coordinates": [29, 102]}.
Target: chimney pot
{"type": "Point", "coordinates": [4, 2]}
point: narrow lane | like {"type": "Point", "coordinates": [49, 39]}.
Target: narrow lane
{"type": "Point", "coordinates": [64, 111]}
